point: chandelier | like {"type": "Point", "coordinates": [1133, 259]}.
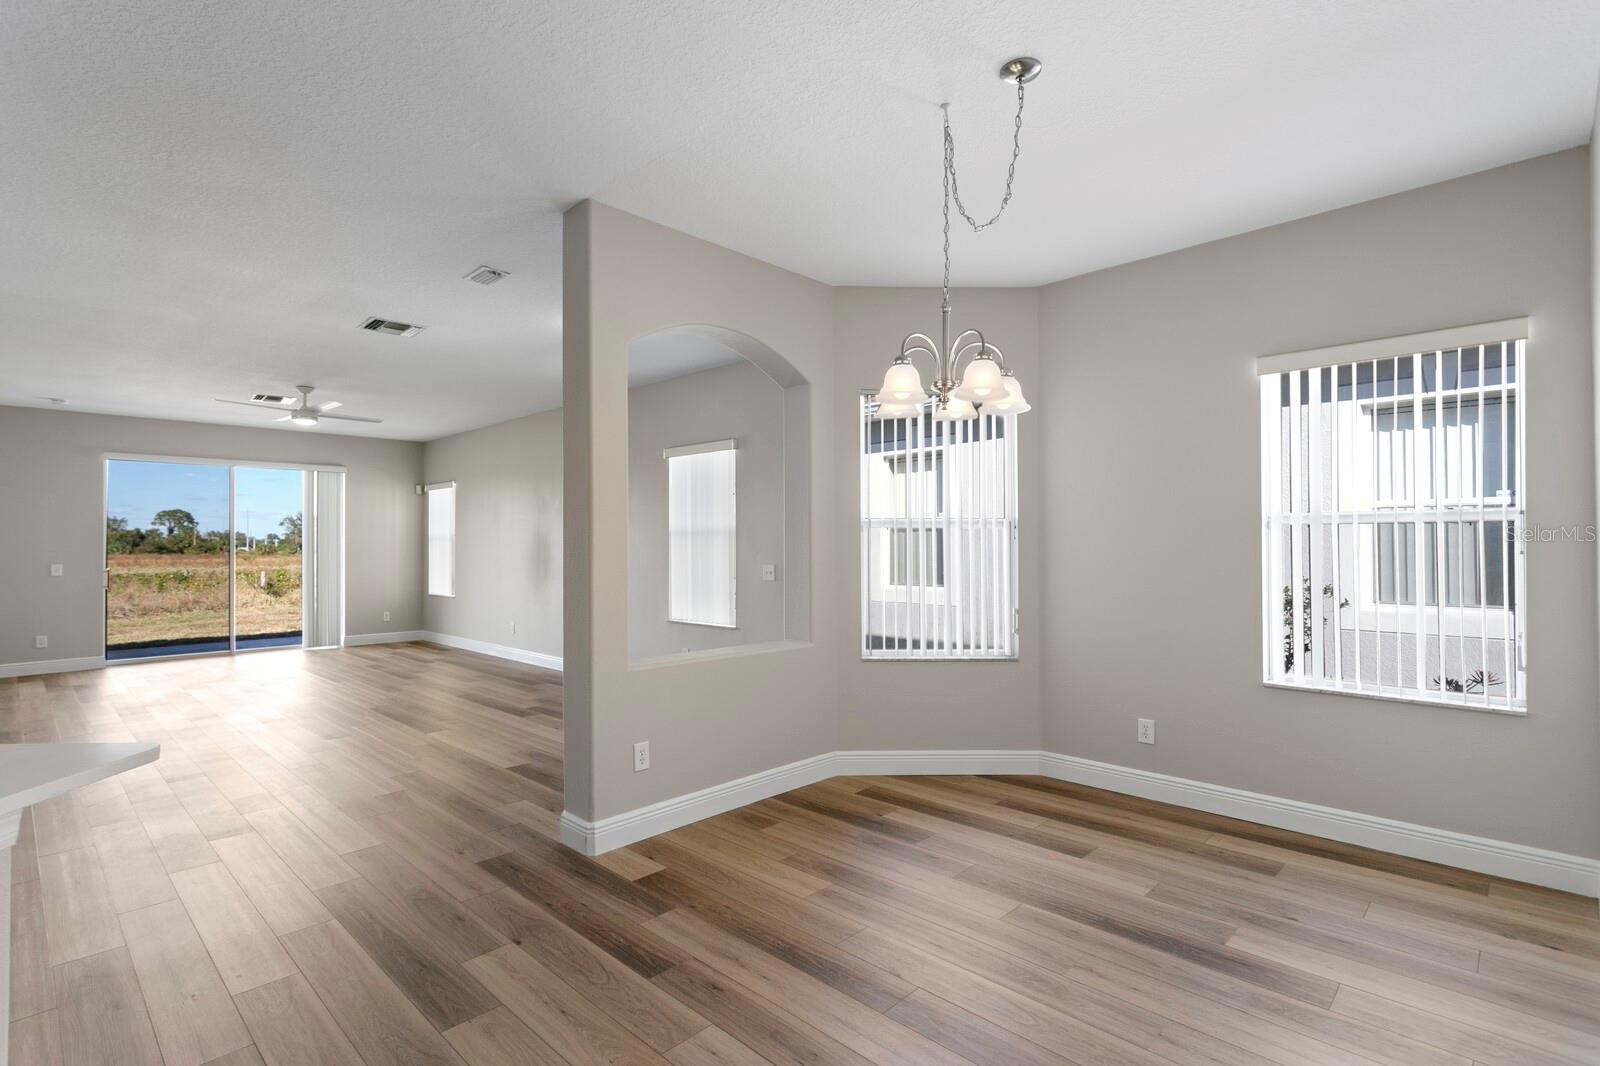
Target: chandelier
{"type": "Point", "coordinates": [986, 382]}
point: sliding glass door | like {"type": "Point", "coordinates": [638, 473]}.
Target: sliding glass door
{"type": "Point", "coordinates": [269, 518]}
{"type": "Point", "coordinates": [167, 571]}
{"type": "Point", "coordinates": [208, 557]}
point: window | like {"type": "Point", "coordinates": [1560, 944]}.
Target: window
{"type": "Point", "coordinates": [1392, 496]}
{"type": "Point", "coordinates": [938, 537]}
{"type": "Point", "coordinates": [442, 539]}
{"type": "Point", "coordinates": [702, 534]}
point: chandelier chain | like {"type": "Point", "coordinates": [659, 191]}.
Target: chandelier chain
{"type": "Point", "coordinates": [1011, 171]}
{"type": "Point", "coordinates": [952, 188]}
{"type": "Point", "coordinates": [947, 169]}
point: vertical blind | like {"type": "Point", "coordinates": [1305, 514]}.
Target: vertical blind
{"type": "Point", "coordinates": [1392, 494]}
{"type": "Point", "coordinates": [442, 539]}
{"type": "Point", "coordinates": [938, 537]}
{"type": "Point", "coordinates": [322, 557]}
{"type": "Point", "coordinates": [702, 533]}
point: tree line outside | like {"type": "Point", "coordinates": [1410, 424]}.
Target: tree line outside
{"type": "Point", "coordinates": [174, 531]}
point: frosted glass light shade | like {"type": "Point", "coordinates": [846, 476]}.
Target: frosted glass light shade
{"type": "Point", "coordinates": [897, 410]}
{"type": "Point", "coordinates": [954, 411]}
{"type": "Point", "coordinates": [981, 381]}
{"type": "Point", "coordinates": [901, 384]}
{"type": "Point", "coordinates": [1011, 402]}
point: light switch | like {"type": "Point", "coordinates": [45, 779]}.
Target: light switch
{"type": "Point", "coordinates": [769, 572]}
{"type": "Point", "coordinates": [55, 569]}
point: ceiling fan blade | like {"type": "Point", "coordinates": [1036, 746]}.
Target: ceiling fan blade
{"type": "Point", "coordinates": [330, 405]}
{"type": "Point", "coordinates": [285, 418]}
{"type": "Point", "coordinates": [252, 403]}
{"type": "Point", "coordinates": [352, 418]}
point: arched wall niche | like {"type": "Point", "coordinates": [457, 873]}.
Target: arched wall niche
{"type": "Point", "coordinates": [689, 385]}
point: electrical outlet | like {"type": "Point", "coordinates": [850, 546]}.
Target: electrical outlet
{"type": "Point", "coordinates": [641, 756]}
{"type": "Point", "coordinates": [769, 572]}
{"type": "Point", "coordinates": [385, 616]}
{"type": "Point", "coordinates": [41, 642]}
{"type": "Point", "coordinates": [1147, 730]}
{"type": "Point", "coordinates": [55, 570]}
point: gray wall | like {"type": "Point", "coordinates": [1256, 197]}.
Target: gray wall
{"type": "Point", "coordinates": [508, 533]}
{"type": "Point", "coordinates": [887, 705]}
{"type": "Point", "coordinates": [723, 714]}
{"type": "Point", "coordinates": [51, 482]}
{"type": "Point", "coordinates": [1148, 411]}
{"type": "Point", "coordinates": [1594, 300]}
{"type": "Point", "coordinates": [738, 402]}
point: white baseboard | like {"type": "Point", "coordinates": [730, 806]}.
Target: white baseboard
{"type": "Point", "coordinates": [52, 666]}
{"type": "Point", "coordinates": [593, 838]}
{"type": "Point", "coordinates": [499, 651]}
{"type": "Point", "coordinates": [1518, 862]}
{"type": "Point", "coordinates": [357, 640]}
{"type": "Point", "coordinates": [449, 640]}
{"type": "Point", "coordinates": [351, 640]}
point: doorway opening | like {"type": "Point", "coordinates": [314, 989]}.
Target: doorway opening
{"type": "Point", "coordinates": [209, 557]}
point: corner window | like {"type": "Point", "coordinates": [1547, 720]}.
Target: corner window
{"type": "Point", "coordinates": [1392, 554]}
{"type": "Point", "coordinates": [702, 533]}
{"type": "Point", "coordinates": [442, 538]}
{"type": "Point", "coordinates": [938, 537]}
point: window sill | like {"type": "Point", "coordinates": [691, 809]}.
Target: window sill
{"type": "Point", "coordinates": [705, 625]}
{"type": "Point", "coordinates": [966, 659]}
{"type": "Point", "coordinates": [1450, 701]}
{"type": "Point", "coordinates": [708, 655]}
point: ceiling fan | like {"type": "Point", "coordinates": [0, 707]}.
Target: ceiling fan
{"type": "Point", "coordinates": [305, 413]}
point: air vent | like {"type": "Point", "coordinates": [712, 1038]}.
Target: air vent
{"type": "Point", "coordinates": [266, 397]}
{"type": "Point", "coordinates": [393, 329]}
{"type": "Point", "coordinates": [487, 275]}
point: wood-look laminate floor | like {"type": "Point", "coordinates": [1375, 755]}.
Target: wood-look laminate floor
{"type": "Point", "coordinates": [347, 857]}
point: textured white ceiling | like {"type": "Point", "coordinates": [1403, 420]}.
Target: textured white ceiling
{"type": "Point", "coordinates": [202, 199]}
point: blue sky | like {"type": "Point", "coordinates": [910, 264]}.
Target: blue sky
{"type": "Point", "coordinates": [137, 490]}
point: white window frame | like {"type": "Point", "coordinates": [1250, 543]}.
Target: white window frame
{"type": "Point", "coordinates": [965, 508]}
{"type": "Point", "coordinates": [1305, 520]}
{"type": "Point", "coordinates": [917, 529]}
{"type": "Point", "coordinates": [451, 535]}
{"type": "Point", "coordinates": [674, 614]}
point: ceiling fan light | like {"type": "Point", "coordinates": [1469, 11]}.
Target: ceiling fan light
{"type": "Point", "coordinates": [303, 418]}
{"type": "Point", "coordinates": [981, 381]}
{"type": "Point", "coordinates": [901, 384]}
